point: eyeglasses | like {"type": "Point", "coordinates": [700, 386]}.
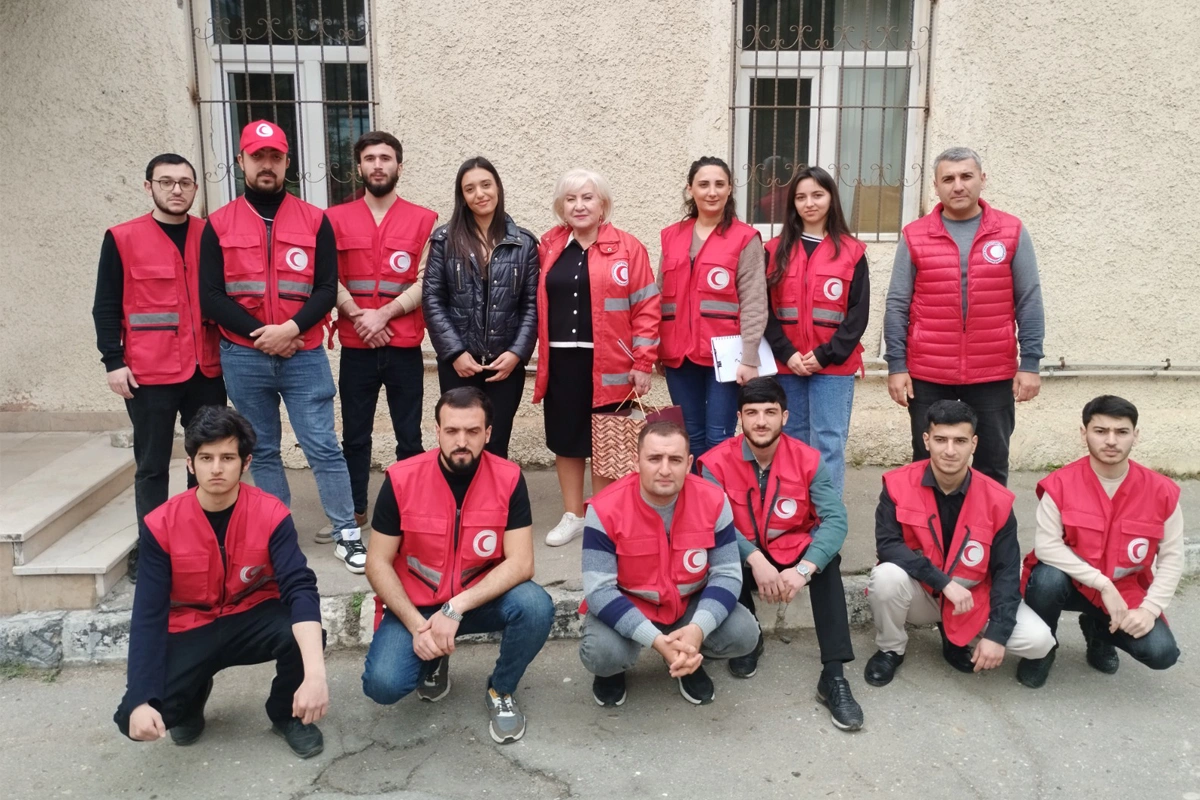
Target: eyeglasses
{"type": "Point", "coordinates": [169, 184]}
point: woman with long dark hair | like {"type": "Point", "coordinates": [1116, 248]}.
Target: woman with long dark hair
{"type": "Point", "coordinates": [713, 283]}
{"type": "Point", "coordinates": [480, 296]}
{"type": "Point", "coordinates": [820, 293]}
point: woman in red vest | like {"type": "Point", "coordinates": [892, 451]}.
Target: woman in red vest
{"type": "Point", "coordinates": [598, 318]}
{"type": "Point", "coordinates": [713, 283]}
{"type": "Point", "coordinates": [820, 296]}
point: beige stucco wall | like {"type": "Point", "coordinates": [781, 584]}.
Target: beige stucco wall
{"type": "Point", "coordinates": [1086, 120]}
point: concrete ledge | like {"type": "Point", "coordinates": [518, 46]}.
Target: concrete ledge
{"type": "Point", "coordinates": [38, 421]}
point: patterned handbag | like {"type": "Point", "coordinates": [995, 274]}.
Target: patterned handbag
{"type": "Point", "coordinates": [615, 435]}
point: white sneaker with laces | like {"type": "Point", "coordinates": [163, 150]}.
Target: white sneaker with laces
{"type": "Point", "coordinates": [567, 529]}
{"type": "Point", "coordinates": [349, 549]}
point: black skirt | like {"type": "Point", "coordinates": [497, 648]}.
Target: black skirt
{"type": "Point", "coordinates": [567, 405]}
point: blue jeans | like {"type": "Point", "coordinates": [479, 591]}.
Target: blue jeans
{"type": "Point", "coordinates": [255, 382]}
{"type": "Point", "coordinates": [709, 408]}
{"type": "Point", "coordinates": [819, 415]}
{"type": "Point", "coordinates": [524, 613]}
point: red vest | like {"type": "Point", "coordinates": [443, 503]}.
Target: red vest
{"type": "Point", "coordinates": [203, 587]}
{"type": "Point", "coordinates": [699, 299]}
{"type": "Point", "coordinates": [625, 308]}
{"type": "Point", "coordinates": [376, 263]}
{"type": "Point", "coordinates": [985, 511]}
{"type": "Point", "coordinates": [780, 524]}
{"type": "Point", "coordinates": [811, 299]}
{"type": "Point", "coordinates": [656, 572]}
{"type": "Point", "coordinates": [941, 346]}
{"type": "Point", "coordinates": [272, 278]}
{"type": "Point", "coordinates": [163, 334]}
{"type": "Point", "coordinates": [444, 550]}
{"type": "Point", "coordinates": [1118, 536]}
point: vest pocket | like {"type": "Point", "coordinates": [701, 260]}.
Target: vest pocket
{"type": "Point", "coordinates": [154, 286]}
{"type": "Point", "coordinates": [1139, 545]}
{"type": "Point", "coordinates": [190, 581]}
{"type": "Point", "coordinates": [356, 269]}
{"type": "Point", "coordinates": [402, 258]}
{"type": "Point", "coordinates": [1085, 534]}
{"type": "Point", "coordinates": [638, 567]}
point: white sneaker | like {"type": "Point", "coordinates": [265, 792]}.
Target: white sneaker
{"type": "Point", "coordinates": [352, 553]}
{"type": "Point", "coordinates": [567, 529]}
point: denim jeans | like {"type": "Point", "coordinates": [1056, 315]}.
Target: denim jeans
{"type": "Point", "coordinates": [255, 382]}
{"type": "Point", "coordinates": [819, 415]}
{"type": "Point", "coordinates": [401, 373]}
{"type": "Point", "coordinates": [1050, 592]}
{"type": "Point", "coordinates": [524, 613]}
{"type": "Point", "coordinates": [709, 408]}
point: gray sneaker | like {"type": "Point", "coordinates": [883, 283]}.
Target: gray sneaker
{"type": "Point", "coordinates": [508, 723]}
{"type": "Point", "coordinates": [436, 684]}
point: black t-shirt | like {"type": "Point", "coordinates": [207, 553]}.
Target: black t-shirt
{"type": "Point", "coordinates": [220, 522]}
{"type": "Point", "coordinates": [386, 519]}
{"type": "Point", "coordinates": [949, 506]}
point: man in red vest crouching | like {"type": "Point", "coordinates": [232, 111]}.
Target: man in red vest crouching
{"type": "Point", "coordinates": [661, 570]}
{"type": "Point", "coordinates": [946, 538]}
{"type": "Point", "coordinates": [223, 584]}
{"type": "Point", "coordinates": [1109, 544]}
{"type": "Point", "coordinates": [791, 524]}
{"type": "Point", "coordinates": [161, 357]}
{"type": "Point", "coordinates": [452, 555]}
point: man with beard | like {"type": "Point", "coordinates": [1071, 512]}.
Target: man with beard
{"type": "Point", "coordinates": [161, 357]}
{"type": "Point", "coordinates": [791, 524]}
{"type": "Point", "coordinates": [382, 240]}
{"type": "Point", "coordinates": [452, 555]}
{"type": "Point", "coordinates": [268, 267]}
{"type": "Point", "coordinates": [1109, 544]}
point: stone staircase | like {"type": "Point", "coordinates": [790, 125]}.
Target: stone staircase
{"type": "Point", "coordinates": [67, 513]}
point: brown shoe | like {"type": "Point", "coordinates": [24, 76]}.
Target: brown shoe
{"type": "Point", "coordinates": [361, 520]}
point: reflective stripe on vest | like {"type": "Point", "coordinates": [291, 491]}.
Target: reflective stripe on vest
{"type": "Point", "coordinates": [825, 315]}
{"type": "Point", "coordinates": [686, 589]}
{"type": "Point", "coordinates": [616, 304]}
{"type": "Point", "coordinates": [966, 582]}
{"type": "Point", "coordinates": [433, 575]}
{"type": "Point", "coordinates": [668, 308]}
{"type": "Point", "coordinates": [641, 294]}
{"type": "Point", "coordinates": [360, 286]}
{"type": "Point", "coordinates": [642, 341]}
{"type": "Point", "coordinates": [718, 305]}
{"type": "Point", "coordinates": [154, 319]}
{"type": "Point", "coordinates": [788, 313]}
{"type": "Point", "coordinates": [393, 288]}
{"type": "Point", "coordinates": [1121, 572]}
{"type": "Point", "coordinates": [653, 597]}
{"type": "Point", "coordinates": [295, 287]}
{"type": "Point", "coordinates": [614, 379]}
{"type": "Point", "coordinates": [245, 287]}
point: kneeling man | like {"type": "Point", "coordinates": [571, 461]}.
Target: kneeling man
{"type": "Point", "coordinates": [222, 583]}
{"type": "Point", "coordinates": [1101, 524]}
{"type": "Point", "coordinates": [791, 525]}
{"type": "Point", "coordinates": [946, 538]}
{"type": "Point", "coordinates": [661, 570]}
{"type": "Point", "coordinates": [452, 554]}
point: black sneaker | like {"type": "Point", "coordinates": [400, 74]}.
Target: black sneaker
{"type": "Point", "coordinates": [306, 741]}
{"type": "Point", "coordinates": [745, 666]}
{"type": "Point", "coordinates": [609, 691]}
{"type": "Point", "coordinates": [844, 710]}
{"type": "Point", "coordinates": [1101, 655]}
{"type": "Point", "coordinates": [131, 565]}
{"type": "Point", "coordinates": [188, 729]}
{"type": "Point", "coordinates": [881, 667]}
{"type": "Point", "coordinates": [1033, 672]}
{"type": "Point", "coordinates": [697, 688]}
{"type": "Point", "coordinates": [957, 656]}
{"type": "Point", "coordinates": [436, 684]}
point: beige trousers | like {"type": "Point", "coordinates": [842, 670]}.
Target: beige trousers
{"type": "Point", "coordinates": [896, 598]}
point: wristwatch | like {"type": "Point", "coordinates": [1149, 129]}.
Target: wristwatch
{"type": "Point", "coordinates": [804, 571]}
{"type": "Point", "coordinates": [449, 612]}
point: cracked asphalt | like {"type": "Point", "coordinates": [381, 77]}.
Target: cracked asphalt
{"type": "Point", "coordinates": [933, 733]}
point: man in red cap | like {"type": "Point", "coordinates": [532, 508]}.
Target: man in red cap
{"type": "Point", "coordinates": [268, 274]}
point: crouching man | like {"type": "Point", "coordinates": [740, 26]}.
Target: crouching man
{"type": "Point", "coordinates": [222, 584]}
{"type": "Point", "coordinates": [661, 570]}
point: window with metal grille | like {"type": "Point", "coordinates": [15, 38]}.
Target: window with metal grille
{"type": "Point", "coordinates": [303, 64]}
{"type": "Point", "coordinates": [838, 84]}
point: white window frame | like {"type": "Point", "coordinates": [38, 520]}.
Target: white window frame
{"type": "Point", "coordinates": [824, 69]}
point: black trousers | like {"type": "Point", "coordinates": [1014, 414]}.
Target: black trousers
{"type": "Point", "coordinates": [400, 371]}
{"type": "Point", "coordinates": [505, 396]}
{"type": "Point", "coordinates": [261, 634]}
{"type": "Point", "coordinates": [152, 411]}
{"type": "Point", "coordinates": [830, 617]}
{"type": "Point", "coordinates": [993, 403]}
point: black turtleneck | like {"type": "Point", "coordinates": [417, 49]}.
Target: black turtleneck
{"type": "Point", "coordinates": [226, 312]}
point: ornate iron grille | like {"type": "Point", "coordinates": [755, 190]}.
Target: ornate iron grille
{"type": "Point", "coordinates": [306, 65]}
{"type": "Point", "coordinates": [839, 84]}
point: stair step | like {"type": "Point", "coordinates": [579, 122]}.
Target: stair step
{"type": "Point", "coordinates": [37, 510]}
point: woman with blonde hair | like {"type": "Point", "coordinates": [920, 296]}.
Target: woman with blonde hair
{"type": "Point", "coordinates": [598, 316]}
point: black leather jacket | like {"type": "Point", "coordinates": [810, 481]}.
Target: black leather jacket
{"type": "Point", "coordinates": [465, 316]}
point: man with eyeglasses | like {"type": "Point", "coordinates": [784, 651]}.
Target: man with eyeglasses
{"type": "Point", "coordinates": [161, 356]}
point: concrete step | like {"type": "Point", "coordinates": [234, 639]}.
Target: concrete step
{"type": "Point", "coordinates": [41, 507]}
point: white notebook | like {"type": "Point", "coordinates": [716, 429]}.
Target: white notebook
{"type": "Point", "coordinates": [727, 354]}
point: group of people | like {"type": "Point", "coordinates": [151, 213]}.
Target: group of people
{"type": "Point", "coordinates": [673, 553]}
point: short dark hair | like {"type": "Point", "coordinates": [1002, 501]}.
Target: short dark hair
{"type": "Point", "coordinates": [373, 138]}
{"type": "Point", "coordinates": [1109, 405]}
{"type": "Point", "coordinates": [950, 412]}
{"type": "Point", "coordinates": [215, 424]}
{"type": "Point", "coordinates": [465, 397]}
{"type": "Point", "coordinates": [167, 158]}
{"type": "Point", "coordinates": [663, 427]}
{"type": "Point", "coordinates": [762, 390]}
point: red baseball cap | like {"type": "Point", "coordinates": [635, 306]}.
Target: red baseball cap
{"type": "Point", "coordinates": [263, 133]}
